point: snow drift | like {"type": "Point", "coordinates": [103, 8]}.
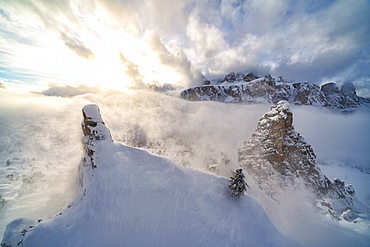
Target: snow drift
{"type": "Point", "coordinates": [132, 198]}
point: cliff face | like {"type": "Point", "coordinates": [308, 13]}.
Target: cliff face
{"type": "Point", "coordinates": [250, 88]}
{"type": "Point", "coordinates": [278, 157]}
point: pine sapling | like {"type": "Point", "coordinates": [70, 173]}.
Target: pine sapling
{"type": "Point", "coordinates": [238, 185]}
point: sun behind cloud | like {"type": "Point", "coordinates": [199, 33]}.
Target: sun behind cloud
{"type": "Point", "coordinates": [120, 44]}
{"type": "Point", "coordinates": [91, 49]}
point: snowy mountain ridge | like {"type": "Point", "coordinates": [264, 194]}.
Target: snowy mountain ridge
{"type": "Point", "coordinates": [250, 88]}
{"type": "Point", "coordinates": [133, 198]}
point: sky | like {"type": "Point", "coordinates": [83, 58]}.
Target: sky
{"type": "Point", "coordinates": [129, 43]}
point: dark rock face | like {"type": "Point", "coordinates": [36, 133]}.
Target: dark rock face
{"type": "Point", "coordinates": [278, 157]}
{"type": "Point", "coordinates": [257, 91]}
{"type": "Point", "coordinates": [207, 82]}
{"type": "Point", "coordinates": [309, 94]}
{"type": "Point", "coordinates": [250, 77]}
{"type": "Point", "coordinates": [334, 95]}
{"type": "Point", "coordinates": [349, 92]}
{"type": "Point", "coordinates": [345, 98]}
{"type": "Point", "coordinates": [276, 149]}
{"type": "Point", "coordinates": [250, 88]}
{"type": "Point", "coordinates": [231, 77]}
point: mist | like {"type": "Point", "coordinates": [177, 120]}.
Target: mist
{"type": "Point", "coordinates": [41, 150]}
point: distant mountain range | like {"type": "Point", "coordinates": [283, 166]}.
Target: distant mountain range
{"type": "Point", "coordinates": [251, 88]}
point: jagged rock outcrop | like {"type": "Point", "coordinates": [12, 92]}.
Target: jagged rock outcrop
{"type": "Point", "coordinates": [250, 88]}
{"type": "Point", "coordinates": [231, 91]}
{"type": "Point", "coordinates": [309, 94]}
{"type": "Point", "coordinates": [278, 157]}
{"type": "Point", "coordinates": [333, 95]}
{"type": "Point", "coordinates": [344, 98]}
{"type": "Point", "coordinates": [231, 77]}
{"type": "Point", "coordinates": [250, 77]}
{"type": "Point", "coordinates": [349, 92]}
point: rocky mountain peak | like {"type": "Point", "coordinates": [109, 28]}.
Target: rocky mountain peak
{"type": "Point", "coordinates": [277, 157]}
{"type": "Point", "coordinates": [250, 77]}
{"type": "Point", "coordinates": [334, 95]}
{"type": "Point", "coordinates": [274, 125]}
{"type": "Point", "coordinates": [348, 89]}
{"type": "Point", "coordinates": [349, 92]}
{"type": "Point", "coordinates": [275, 146]}
{"type": "Point", "coordinates": [231, 77]}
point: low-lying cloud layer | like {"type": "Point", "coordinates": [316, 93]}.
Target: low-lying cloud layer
{"type": "Point", "coordinates": [176, 41]}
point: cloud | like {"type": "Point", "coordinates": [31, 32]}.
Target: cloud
{"type": "Point", "coordinates": [77, 46]}
{"type": "Point", "coordinates": [299, 40]}
{"type": "Point", "coordinates": [67, 90]}
{"type": "Point", "coordinates": [207, 40]}
{"type": "Point", "coordinates": [132, 71]}
{"type": "Point", "coordinates": [173, 57]}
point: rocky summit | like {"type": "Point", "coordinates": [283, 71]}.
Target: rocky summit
{"type": "Point", "coordinates": [279, 158]}
{"type": "Point", "coordinates": [251, 88]}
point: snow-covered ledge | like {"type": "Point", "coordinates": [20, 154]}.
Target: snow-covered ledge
{"type": "Point", "coordinates": [92, 125]}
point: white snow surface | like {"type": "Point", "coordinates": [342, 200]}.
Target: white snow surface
{"type": "Point", "coordinates": [139, 199]}
{"type": "Point", "coordinates": [92, 112]}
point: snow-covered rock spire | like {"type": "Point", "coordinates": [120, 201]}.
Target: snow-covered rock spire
{"type": "Point", "coordinates": [276, 151]}
{"type": "Point", "coordinates": [277, 157]}
{"type": "Point", "coordinates": [92, 125]}
{"type": "Point", "coordinates": [94, 131]}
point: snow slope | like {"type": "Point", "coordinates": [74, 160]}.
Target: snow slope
{"type": "Point", "coordinates": [138, 199]}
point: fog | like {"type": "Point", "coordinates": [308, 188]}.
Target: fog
{"type": "Point", "coordinates": [40, 149]}
{"type": "Point", "coordinates": [341, 142]}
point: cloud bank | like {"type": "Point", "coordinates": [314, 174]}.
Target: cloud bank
{"type": "Point", "coordinates": [178, 41]}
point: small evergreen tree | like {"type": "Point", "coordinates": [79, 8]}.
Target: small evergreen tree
{"type": "Point", "coordinates": [238, 185]}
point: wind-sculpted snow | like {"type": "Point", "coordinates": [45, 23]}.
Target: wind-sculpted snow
{"type": "Point", "coordinates": [138, 199]}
